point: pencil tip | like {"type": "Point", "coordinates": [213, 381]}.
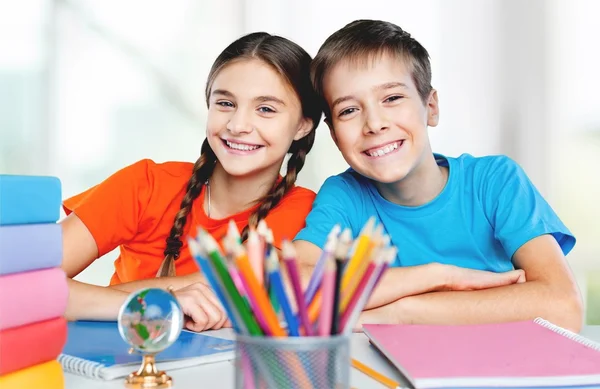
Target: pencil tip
{"type": "Point", "coordinates": [287, 249]}
{"type": "Point", "coordinates": [233, 230]}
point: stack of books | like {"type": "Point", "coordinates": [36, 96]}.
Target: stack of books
{"type": "Point", "coordinates": [33, 288]}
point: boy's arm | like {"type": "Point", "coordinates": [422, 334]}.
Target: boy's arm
{"type": "Point", "coordinates": [414, 280]}
{"type": "Point", "coordinates": [550, 292]}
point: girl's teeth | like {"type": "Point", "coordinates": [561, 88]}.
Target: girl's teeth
{"type": "Point", "coordinates": [242, 147]}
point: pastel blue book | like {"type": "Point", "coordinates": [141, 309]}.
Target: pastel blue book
{"type": "Point", "coordinates": [29, 199]}
{"type": "Point", "coordinates": [96, 350]}
{"type": "Point", "coordinates": [29, 247]}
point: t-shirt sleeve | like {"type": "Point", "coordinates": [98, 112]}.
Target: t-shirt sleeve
{"type": "Point", "coordinates": [113, 209]}
{"type": "Point", "coordinates": [516, 209]}
{"type": "Point", "coordinates": [333, 205]}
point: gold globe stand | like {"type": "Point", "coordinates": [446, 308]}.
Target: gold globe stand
{"type": "Point", "coordinates": [148, 376]}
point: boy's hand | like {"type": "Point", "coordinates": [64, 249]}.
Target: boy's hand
{"type": "Point", "coordinates": [202, 309]}
{"type": "Point", "coordinates": [469, 279]}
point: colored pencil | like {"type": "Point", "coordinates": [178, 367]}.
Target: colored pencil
{"type": "Point", "coordinates": [277, 285]}
{"type": "Point", "coordinates": [200, 258]}
{"type": "Point", "coordinates": [341, 252]}
{"type": "Point", "coordinates": [315, 279]}
{"type": "Point", "coordinates": [385, 381]}
{"type": "Point", "coordinates": [289, 259]}
{"type": "Point", "coordinates": [362, 245]}
{"type": "Point", "coordinates": [211, 247]}
{"type": "Point", "coordinates": [327, 288]}
{"type": "Point", "coordinates": [256, 255]}
{"type": "Point", "coordinates": [256, 292]}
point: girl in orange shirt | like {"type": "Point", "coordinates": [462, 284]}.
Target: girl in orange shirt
{"type": "Point", "coordinates": [261, 106]}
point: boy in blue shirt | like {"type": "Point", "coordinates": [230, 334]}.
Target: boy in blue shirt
{"type": "Point", "coordinates": [461, 225]}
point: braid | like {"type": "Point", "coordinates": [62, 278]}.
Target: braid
{"type": "Point", "coordinates": [294, 165]}
{"type": "Point", "coordinates": [203, 169]}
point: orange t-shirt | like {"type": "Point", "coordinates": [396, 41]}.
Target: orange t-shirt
{"type": "Point", "coordinates": [134, 210]}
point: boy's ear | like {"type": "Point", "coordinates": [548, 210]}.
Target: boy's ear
{"type": "Point", "coordinates": [304, 128]}
{"type": "Point", "coordinates": [433, 109]}
{"type": "Point", "coordinates": [332, 132]}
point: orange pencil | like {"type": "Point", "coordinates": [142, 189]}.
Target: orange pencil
{"type": "Point", "coordinates": [256, 290]}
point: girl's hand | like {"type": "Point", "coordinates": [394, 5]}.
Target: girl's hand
{"type": "Point", "coordinates": [469, 279]}
{"type": "Point", "coordinates": [202, 309]}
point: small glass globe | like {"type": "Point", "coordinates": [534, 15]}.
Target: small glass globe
{"type": "Point", "coordinates": [150, 320]}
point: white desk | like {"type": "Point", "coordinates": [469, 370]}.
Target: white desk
{"type": "Point", "coordinates": [220, 375]}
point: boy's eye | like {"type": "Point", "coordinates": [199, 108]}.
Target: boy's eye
{"type": "Point", "coordinates": [266, 110]}
{"type": "Point", "coordinates": [347, 111]}
{"type": "Point", "coordinates": [392, 98]}
{"type": "Point", "coordinates": [227, 104]}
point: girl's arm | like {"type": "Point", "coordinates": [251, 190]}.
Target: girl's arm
{"type": "Point", "coordinates": [91, 302]}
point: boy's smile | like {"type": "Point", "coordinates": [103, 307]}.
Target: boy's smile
{"type": "Point", "coordinates": [384, 150]}
{"type": "Point", "coordinates": [378, 119]}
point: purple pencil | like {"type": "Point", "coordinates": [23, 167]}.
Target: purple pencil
{"type": "Point", "coordinates": [289, 258]}
{"type": "Point", "coordinates": [315, 280]}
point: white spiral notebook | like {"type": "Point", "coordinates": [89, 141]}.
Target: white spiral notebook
{"type": "Point", "coordinates": [527, 354]}
{"type": "Point", "coordinates": [96, 350]}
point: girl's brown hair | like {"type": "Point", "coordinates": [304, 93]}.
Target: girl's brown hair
{"type": "Point", "coordinates": [291, 62]}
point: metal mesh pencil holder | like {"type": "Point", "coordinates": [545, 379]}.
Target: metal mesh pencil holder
{"type": "Point", "coordinates": [292, 362]}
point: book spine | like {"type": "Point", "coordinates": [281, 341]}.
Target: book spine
{"type": "Point", "coordinates": [568, 334]}
{"type": "Point", "coordinates": [30, 247]}
{"type": "Point", "coordinates": [81, 366]}
{"type": "Point", "coordinates": [29, 199]}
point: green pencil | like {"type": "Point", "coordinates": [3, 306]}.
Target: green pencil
{"type": "Point", "coordinates": [212, 250]}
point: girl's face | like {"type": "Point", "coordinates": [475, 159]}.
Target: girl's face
{"type": "Point", "coordinates": [254, 115]}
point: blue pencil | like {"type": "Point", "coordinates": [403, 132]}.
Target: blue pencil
{"type": "Point", "coordinates": [210, 277]}
{"type": "Point", "coordinates": [277, 287]}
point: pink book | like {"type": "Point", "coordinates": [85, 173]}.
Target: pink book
{"type": "Point", "coordinates": [518, 354]}
{"type": "Point", "coordinates": [32, 296]}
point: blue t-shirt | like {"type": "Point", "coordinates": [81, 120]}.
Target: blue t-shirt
{"type": "Point", "coordinates": [487, 210]}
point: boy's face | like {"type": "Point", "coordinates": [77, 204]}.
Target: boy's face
{"type": "Point", "coordinates": [378, 120]}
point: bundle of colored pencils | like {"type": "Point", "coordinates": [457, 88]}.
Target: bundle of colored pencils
{"type": "Point", "coordinates": [248, 280]}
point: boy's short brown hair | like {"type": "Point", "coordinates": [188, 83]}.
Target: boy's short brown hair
{"type": "Point", "coordinates": [362, 40]}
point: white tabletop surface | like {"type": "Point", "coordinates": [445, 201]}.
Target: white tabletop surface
{"type": "Point", "coordinates": [221, 375]}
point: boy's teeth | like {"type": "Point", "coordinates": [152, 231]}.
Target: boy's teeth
{"type": "Point", "coordinates": [383, 150]}
{"type": "Point", "coordinates": [238, 146]}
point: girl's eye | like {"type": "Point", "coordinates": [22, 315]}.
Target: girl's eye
{"type": "Point", "coordinates": [347, 111]}
{"type": "Point", "coordinates": [227, 104]}
{"type": "Point", "coordinates": [266, 110]}
{"type": "Point", "coordinates": [392, 99]}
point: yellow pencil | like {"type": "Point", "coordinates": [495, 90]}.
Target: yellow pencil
{"type": "Point", "coordinates": [361, 250]}
{"type": "Point", "coordinates": [373, 244]}
{"type": "Point", "coordinates": [386, 381]}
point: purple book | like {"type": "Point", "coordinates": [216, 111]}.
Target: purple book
{"type": "Point", "coordinates": [30, 247]}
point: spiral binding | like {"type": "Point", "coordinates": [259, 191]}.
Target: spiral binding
{"type": "Point", "coordinates": [81, 366]}
{"type": "Point", "coordinates": [568, 334]}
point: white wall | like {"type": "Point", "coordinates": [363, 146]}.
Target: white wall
{"type": "Point", "coordinates": [118, 84]}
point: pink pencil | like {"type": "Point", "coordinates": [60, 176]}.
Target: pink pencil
{"type": "Point", "coordinates": [327, 291]}
{"type": "Point", "coordinates": [256, 255]}
{"type": "Point", "coordinates": [289, 257]}
{"type": "Point", "coordinates": [358, 292]}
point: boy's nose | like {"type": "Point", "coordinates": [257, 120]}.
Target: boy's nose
{"type": "Point", "coordinates": [375, 123]}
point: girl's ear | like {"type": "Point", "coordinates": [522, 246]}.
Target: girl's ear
{"type": "Point", "coordinates": [304, 128]}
